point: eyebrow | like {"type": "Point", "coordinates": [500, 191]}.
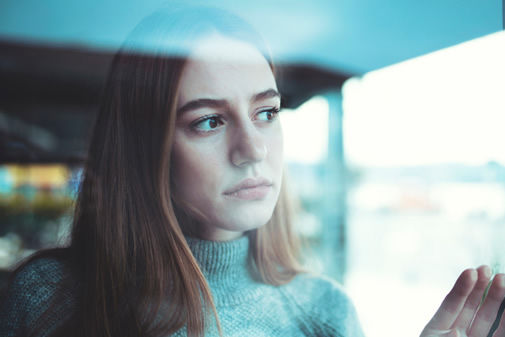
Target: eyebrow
{"type": "Point", "coordinates": [269, 93]}
{"type": "Point", "coordinates": [220, 103]}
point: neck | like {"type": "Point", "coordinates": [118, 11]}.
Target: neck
{"type": "Point", "coordinates": [226, 268]}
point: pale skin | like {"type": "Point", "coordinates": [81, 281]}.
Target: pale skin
{"type": "Point", "coordinates": [233, 128]}
{"type": "Point", "coordinates": [460, 314]}
{"type": "Point", "coordinates": [227, 131]}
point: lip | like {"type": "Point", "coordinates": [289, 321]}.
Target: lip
{"type": "Point", "coordinates": [250, 188]}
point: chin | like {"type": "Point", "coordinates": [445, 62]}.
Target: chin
{"type": "Point", "coordinates": [246, 216]}
{"type": "Point", "coordinates": [250, 222]}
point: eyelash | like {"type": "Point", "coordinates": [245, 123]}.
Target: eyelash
{"type": "Point", "coordinates": [194, 126]}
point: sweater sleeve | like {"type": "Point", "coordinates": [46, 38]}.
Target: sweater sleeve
{"type": "Point", "coordinates": [29, 295]}
{"type": "Point", "coordinates": [326, 310]}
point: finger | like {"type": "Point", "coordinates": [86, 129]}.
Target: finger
{"type": "Point", "coordinates": [500, 330]}
{"type": "Point", "coordinates": [489, 309]}
{"type": "Point", "coordinates": [442, 333]}
{"type": "Point", "coordinates": [474, 299]}
{"type": "Point", "coordinates": [453, 303]}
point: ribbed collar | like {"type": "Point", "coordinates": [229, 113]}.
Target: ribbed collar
{"type": "Point", "coordinates": [226, 268]}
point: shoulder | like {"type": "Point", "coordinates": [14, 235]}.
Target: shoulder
{"type": "Point", "coordinates": [318, 292]}
{"type": "Point", "coordinates": [44, 269]}
{"type": "Point", "coordinates": [310, 286]}
{"type": "Point", "coordinates": [32, 290]}
{"type": "Point", "coordinates": [38, 279]}
{"type": "Point", "coordinates": [325, 305]}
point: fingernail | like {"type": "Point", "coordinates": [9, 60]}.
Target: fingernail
{"type": "Point", "coordinates": [473, 274]}
{"type": "Point", "coordinates": [487, 271]}
{"type": "Point", "coordinates": [499, 280]}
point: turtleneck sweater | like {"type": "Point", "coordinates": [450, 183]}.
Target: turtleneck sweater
{"type": "Point", "coordinates": [309, 305]}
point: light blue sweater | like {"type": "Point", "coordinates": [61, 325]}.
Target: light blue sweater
{"type": "Point", "coordinates": [307, 306]}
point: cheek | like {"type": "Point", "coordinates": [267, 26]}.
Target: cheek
{"type": "Point", "coordinates": [196, 171]}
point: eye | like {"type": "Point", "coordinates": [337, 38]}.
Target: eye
{"type": "Point", "coordinates": [268, 115]}
{"type": "Point", "coordinates": [207, 124]}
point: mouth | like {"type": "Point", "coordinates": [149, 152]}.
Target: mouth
{"type": "Point", "coordinates": [250, 189]}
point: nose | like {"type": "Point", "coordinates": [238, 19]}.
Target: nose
{"type": "Point", "coordinates": [248, 146]}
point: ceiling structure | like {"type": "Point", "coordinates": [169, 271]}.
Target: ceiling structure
{"type": "Point", "coordinates": [344, 35]}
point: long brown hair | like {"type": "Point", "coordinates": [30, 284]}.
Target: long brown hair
{"type": "Point", "coordinates": [128, 255]}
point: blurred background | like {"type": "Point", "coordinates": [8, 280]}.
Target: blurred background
{"type": "Point", "coordinates": [393, 114]}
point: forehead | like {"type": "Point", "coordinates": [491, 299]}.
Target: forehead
{"type": "Point", "coordinates": [221, 67]}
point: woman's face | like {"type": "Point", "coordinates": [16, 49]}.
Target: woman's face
{"type": "Point", "coordinates": [228, 147]}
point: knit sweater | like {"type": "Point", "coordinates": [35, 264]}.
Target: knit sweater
{"type": "Point", "coordinates": [309, 305]}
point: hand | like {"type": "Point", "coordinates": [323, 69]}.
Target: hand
{"type": "Point", "coordinates": [459, 314]}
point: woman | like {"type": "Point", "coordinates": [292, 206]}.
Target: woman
{"type": "Point", "coordinates": [182, 225]}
